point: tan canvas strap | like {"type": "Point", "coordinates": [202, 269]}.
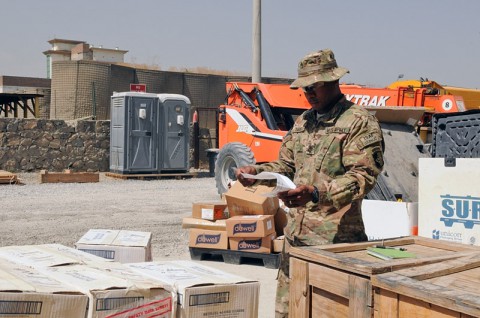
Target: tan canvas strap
{"type": "Point", "coordinates": [308, 70]}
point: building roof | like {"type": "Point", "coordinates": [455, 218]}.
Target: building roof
{"type": "Point", "coordinates": [109, 50]}
{"type": "Point", "coordinates": [61, 52]}
{"type": "Point", "coordinates": [52, 41]}
{"type": "Point", "coordinates": [6, 80]}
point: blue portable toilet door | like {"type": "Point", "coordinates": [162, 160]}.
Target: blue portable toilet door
{"type": "Point", "coordinates": [175, 155]}
{"type": "Point", "coordinates": [141, 149]}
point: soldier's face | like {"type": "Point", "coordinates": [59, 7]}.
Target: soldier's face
{"type": "Point", "coordinates": [318, 96]}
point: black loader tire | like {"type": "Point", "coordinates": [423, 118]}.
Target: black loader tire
{"type": "Point", "coordinates": [232, 155]}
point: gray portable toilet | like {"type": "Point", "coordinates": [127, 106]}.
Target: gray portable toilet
{"type": "Point", "coordinates": [173, 129]}
{"type": "Point", "coordinates": [133, 133]}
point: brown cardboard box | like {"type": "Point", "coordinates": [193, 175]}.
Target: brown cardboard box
{"type": "Point", "coordinates": [210, 210]}
{"type": "Point", "coordinates": [281, 219]}
{"type": "Point", "coordinates": [205, 291]}
{"type": "Point", "coordinates": [208, 239]}
{"type": "Point", "coordinates": [278, 244]}
{"type": "Point", "coordinates": [249, 200]}
{"type": "Point", "coordinates": [250, 226]}
{"type": "Point", "coordinates": [194, 223]}
{"type": "Point", "coordinates": [252, 244]}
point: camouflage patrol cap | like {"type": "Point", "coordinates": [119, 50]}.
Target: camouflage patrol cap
{"type": "Point", "coordinates": [319, 66]}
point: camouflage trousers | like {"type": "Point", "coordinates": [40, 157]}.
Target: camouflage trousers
{"type": "Point", "coordinates": [283, 284]}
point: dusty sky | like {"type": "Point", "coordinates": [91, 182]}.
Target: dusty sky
{"type": "Point", "coordinates": [376, 39]}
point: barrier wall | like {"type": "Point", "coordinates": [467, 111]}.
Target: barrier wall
{"type": "Point", "coordinates": [54, 145]}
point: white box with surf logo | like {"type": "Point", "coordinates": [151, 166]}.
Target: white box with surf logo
{"type": "Point", "coordinates": [449, 199]}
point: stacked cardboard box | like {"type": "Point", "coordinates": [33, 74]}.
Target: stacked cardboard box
{"type": "Point", "coordinates": [26, 292]}
{"type": "Point", "coordinates": [207, 227]}
{"type": "Point", "coordinates": [251, 233]}
{"type": "Point", "coordinates": [248, 220]}
{"type": "Point", "coordinates": [58, 281]}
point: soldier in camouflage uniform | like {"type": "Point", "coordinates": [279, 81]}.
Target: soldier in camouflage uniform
{"type": "Point", "coordinates": [333, 154]}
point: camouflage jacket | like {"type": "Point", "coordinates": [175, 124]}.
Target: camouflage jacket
{"type": "Point", "coordinates": [341, 154]}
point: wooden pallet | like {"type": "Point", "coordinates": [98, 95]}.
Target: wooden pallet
{"type": "Point", "coordinates": [8, 177]}
{"type": "Point", "coordinates": [145, 176]}
{"type": "Point", "coordinates": [236, 257]}
{"type": "Point", "coordinates": [68, 177]}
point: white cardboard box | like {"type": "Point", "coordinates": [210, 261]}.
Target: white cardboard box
{"type": "Point", "coordinates": [112, 296]}
{"type": "Point", "coordinates": [117, 245]}
{"type": "Point", "coordinates": [46, 255]}
{"type": "Point", "coordinates": [26, 292]}
{"type": "Point", "coordinates": [449, 200]}
{"type": "Point", "coordinates": [389, 219]}
{"type": "Point", "coordinates": [204, 291]}
{"type": "Point", "coordinates": [111, 290]}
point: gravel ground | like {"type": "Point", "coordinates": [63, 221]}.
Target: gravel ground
{"type": "Point", "coordinates": [35, 213]}
{"type": "Point", "coordinates": [38, 213]}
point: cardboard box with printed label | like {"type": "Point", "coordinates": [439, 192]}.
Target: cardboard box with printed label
{"type": "Point", "coordinates": [250, 200]}
{"type": "Point", "coordinates": [117, 245]}
{"type": "Point", "coordinates": [252, 244]}
{"type": "Point", "coordinates": [108, 294]}
{"type": "Point", "coordinates": [26, 292]}
{"type": "Point", "coordinates": [250, 226]}
{"type": "Point", "coordinates": [208, 239]}
{"type": "Point", "coordinates": [112, 296]}
{"type": "Point", "coordinates": [204, 291]}
{"type": "Point", "coordinates": [449, 200]}
{"type": "Point", "coordinates": [210, 210]}
{"type": "Point", "coordinates": [47, 255]}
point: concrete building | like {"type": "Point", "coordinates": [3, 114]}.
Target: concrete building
{"type": "Point", "coordinates": [60, 51]}
{"type": "Point", "coordinates": [71, 50]}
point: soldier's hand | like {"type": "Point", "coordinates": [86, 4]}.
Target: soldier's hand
{"type": "Point", "coordinates": [299, 196]}
{"type": "Point", "coordinates": [245, 169]}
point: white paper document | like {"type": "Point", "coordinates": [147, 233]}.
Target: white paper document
{"type": "Point", "coordinates": [283, 183]}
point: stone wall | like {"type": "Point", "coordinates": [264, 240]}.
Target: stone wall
{"type": "Point", "coordinates": [54, 145]}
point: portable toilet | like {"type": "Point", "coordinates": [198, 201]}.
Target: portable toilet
{"type": "Point", "coordinates": [173, 131]}
{"type": "Point", "coordinates": [133, 133]}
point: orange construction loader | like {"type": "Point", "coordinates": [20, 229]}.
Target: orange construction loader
{"type": "Point", "coordinates": [256, 117]}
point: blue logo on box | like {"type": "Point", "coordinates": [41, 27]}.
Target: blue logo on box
{"type": "Point", "coordinates": [436, 234]}
{"type": "Point", "coordinates": [460, 209]}
{"type": "Point", "coordinates": [245, 228]}
{"type": "Point", "coordinates": [207, 239]}
{"type": "Point", "coordinates": [249, 244]}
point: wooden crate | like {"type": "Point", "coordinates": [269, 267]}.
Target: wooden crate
{"type": "Point", "coordinates": [8, 177]}
{"type": "Point", "coordinates": [156, 176]}
{"type": "Point", "coordinates": [68, 176]}
{"type": "Point", "coordinates": [335, 280]}
{"type": "Point", "coordinates": [447, 289]}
